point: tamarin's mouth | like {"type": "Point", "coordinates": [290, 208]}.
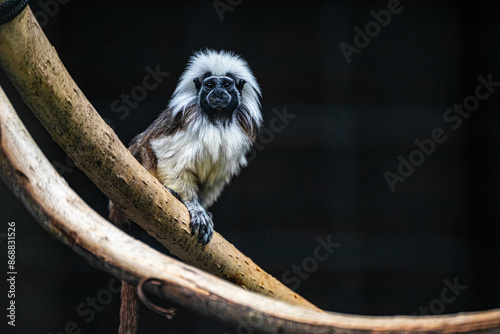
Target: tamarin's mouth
{"type": "Point", "coordinates": [218, 104]}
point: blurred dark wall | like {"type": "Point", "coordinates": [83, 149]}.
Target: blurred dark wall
{"type": "Point", "coordinates": [323, 175]}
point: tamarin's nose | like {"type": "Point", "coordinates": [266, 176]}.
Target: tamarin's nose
{"type": "Point", "coordinates": [218, 93]}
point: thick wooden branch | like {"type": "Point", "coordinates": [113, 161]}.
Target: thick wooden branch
{"type": "Point", "coordinates": [41, 79]}
{"type": "Point", "coordinates": [66, 217]}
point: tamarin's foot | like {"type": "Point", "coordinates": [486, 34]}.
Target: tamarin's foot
{"type": "Point", "coordinates": [201, 224]}
{"type": "Point", "coordinates": [201, 221]}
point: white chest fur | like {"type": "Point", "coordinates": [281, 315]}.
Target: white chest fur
{"type": "Point", "coordinates": [201, 158]}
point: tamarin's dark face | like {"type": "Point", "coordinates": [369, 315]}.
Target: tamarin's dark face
{"type": "Point", "coordinates": [219, 96]}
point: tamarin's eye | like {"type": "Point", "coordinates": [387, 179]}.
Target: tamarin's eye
{"type": "Point", "coordinates": [209, 85]}
{"type": "Point", "coordinates": [226, 84]}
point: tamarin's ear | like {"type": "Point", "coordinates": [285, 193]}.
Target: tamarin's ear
{"type": "Point", "coordinates": [240, 84]}
{"type": "Point", "coordinates": [197, 83]}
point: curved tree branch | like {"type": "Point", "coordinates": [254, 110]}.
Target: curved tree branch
{"type": "Point", "coordinates": [46, 87]}
{"type": "Point", "coordinates": [65, 216]}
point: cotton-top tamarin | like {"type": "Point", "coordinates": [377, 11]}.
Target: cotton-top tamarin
{"type": "Point", "coordinates": [197, 144]}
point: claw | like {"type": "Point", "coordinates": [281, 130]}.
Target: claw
{"type": "Point", "coordinates": [194, 227]}
{"type": "Point", "coordinates": [201, 224]}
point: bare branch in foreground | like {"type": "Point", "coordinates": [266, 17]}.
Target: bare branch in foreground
{"type": "Point", "coordinates": [66, 217]}
{"type": "Point", "coordinates": [41, 79]}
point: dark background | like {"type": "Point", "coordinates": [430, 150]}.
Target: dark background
{"type": "Point", "coordinates": [321, 175]}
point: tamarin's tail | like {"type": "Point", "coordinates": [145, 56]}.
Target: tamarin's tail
{"type": "Point", "coordinates": [129, 308]}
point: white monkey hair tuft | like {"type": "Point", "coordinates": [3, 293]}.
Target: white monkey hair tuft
{"type": "Point", "coordinates": [218, 63]}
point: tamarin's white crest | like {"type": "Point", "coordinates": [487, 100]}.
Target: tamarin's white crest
{"type": "Point", "coordinates": [200, 141]}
